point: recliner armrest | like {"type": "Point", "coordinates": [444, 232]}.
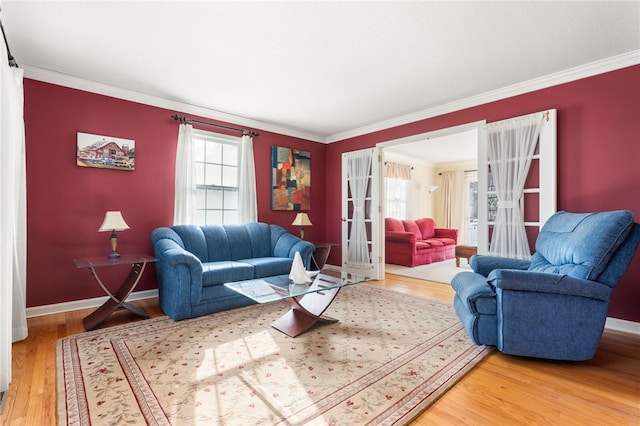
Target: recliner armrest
{"type": "Point", "coordinates": [474, 292]}
{"type": "Point", "coordinates": [542, 282]}
{"type": "Point", "coordinates": [483, 264]}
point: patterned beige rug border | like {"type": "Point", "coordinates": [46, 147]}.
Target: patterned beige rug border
{"type": "Point", "coordinates": [74, 398]}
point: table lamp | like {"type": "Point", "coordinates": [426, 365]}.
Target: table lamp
{"type": "Point", "coordinates": [113, 221]}
{"type": "Point", "coordinates": [302, 220]}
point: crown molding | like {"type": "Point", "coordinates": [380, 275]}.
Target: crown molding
{"type": "Point", "coordinates": [66, 80]}
{"type": "Point", "coordinates": [572, 74]}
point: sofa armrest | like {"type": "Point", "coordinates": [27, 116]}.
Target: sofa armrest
{"type": "Point", "coordinates": [483, 264]}
{"type": "Point", "coordinates": [447, 233]}
{"type": "Point", "coordinates": [542, 282]}
{"type": "Point", "coordinates": [179, 276]}
{"type": "Point", "coordinates": [306, 249]}
{"type": "Point", "coordinates": [285, 244]}
{"type": "Point", "coordinates": [173, 254]}
{"type": "Point", "coordinates": [400, 237]}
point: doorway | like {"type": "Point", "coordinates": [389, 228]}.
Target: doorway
{"type": "Point", "coordinates": [450, 146]}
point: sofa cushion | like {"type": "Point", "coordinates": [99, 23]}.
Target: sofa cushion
{"type": "Point", "coordinates": [217, 241]}
{"type": "Point", "coordinates": [268, 266]}
{"type": "Point", "coordinates": [193, 241]}
{"type": "Point", "coordinates": [394, 225]}
{"type": "Point", "coordinates": [427, 227]}
{"type": "Point", "coordinates": [435, 242]}
{"type": "Point", "coordinates": [422, 245]}
{"type": "Point", "coordinates": [410, 226]}
{"type": "Point", "coordinates": [249, 240]}
{"type": "Point", "coordinates": [448, 241]}
{"type": "Point", "coordinates": [580, 245]}
{"type": "Point", "coordinates": [216, 273]}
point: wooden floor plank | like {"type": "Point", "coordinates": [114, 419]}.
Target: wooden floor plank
{"type": "Point", "coordinates": [501, 390]}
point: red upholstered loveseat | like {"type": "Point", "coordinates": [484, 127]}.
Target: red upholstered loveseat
{"type": "Point", "coordinates": [419, 242]}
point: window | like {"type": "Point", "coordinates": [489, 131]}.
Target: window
{"type": "Point", "coordinates": [217, 159]}
{"type": "Point", "coordinates": [396, 198]}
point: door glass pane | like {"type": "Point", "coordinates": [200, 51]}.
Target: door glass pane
{"type": "Point", "coordinates": [473, 212]}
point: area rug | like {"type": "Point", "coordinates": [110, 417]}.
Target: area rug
{"type": "Point", "coordinates": [439, 272]}
{"type": "Point", "coordinates": [389, 357]}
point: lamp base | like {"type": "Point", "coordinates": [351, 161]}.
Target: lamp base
{"type": "Point", "coordinates": [113, 239]}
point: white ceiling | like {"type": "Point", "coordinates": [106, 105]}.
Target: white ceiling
{"type": "Point", "coordinates": [439, 151]}
{"type": "Point", "coordinates": [319, 69]}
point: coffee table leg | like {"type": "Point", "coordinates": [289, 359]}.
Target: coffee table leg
{"type": "Point", "coordinates": [306, 312]}
{"type": "Point", "coordinates": [116, 300]}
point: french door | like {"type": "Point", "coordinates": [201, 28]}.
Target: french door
{"type": "Point", "coordinates": [361, 212]}
{"type": "Point", "coordinates": [538, 201]}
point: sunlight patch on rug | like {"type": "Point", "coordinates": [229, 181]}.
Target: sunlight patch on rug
{"type": "Point", "coordinates": [387, 359]}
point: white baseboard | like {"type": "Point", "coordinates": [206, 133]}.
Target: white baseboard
{"type": "Point", "coordinates": [622, 325]}
{"type": "Point", "coordinates": [36, 311]}
{"type": "Point", "coordinates": [57, 308]}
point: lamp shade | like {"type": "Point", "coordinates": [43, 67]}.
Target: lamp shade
{"type": "Point", "coordinates": [302, 219]}
{"type": "Point", "coordinates": [113, 221]}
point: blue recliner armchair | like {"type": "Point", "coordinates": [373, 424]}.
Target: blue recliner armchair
{"type": "Point", "coordinates": [555, 305]}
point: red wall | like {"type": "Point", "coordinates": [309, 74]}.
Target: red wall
{"type": "Point", "coordinates": [66, 203]}
{"type": "Point", "coordinates": [598, 157]}
{"type": "Point", "coordinates": [598, 154]}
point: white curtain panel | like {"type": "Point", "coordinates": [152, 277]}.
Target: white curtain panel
{"type": "Point", "coordinates": [397, 170]}
{"type": "Point", "coordinates": [359, 176]}
{"type": "Point", "coordinates": [510, 146]}
{"type": "Point", "coordinates": [184, 211]}
{"type": "Point", "coordinates": [13, 323]}
{"type": "Point", "coordinates": [453, 194]}
{"type": "Point", "coordinates": [248, 203]}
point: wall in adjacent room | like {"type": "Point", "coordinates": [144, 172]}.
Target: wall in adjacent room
{"type": "Point", "coordinates": [66, 203]}
{"type": "Point", "coordinates": [419, 202]}
{"type": "Point", "coordinates": [598, 154]}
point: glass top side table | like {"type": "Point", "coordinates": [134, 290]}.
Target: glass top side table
{"type": "Point", "coordinates": [116, 300]}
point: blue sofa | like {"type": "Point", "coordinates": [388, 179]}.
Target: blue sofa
{"type": "Point", "coordinates": [194, 262]}
{"type": "Point", "coordinates": [555, 305]}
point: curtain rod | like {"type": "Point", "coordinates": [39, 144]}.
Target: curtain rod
{"type": "Point", "coordinates": [12, 61]}
{"type": "Point", "coordinates": [466, 171]}
{"type": "Point", "coordinates": [185, 120]}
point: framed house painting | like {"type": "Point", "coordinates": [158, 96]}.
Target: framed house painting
{"type": "Point", "coordinates": [290, 179]}
{"type": "Point", "coordinates": [105, 152]}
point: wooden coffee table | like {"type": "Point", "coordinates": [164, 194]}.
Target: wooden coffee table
{"type": "Point", "coordinates": [465, 252]}
{"type": "Point", "coordinates": [308, 302]}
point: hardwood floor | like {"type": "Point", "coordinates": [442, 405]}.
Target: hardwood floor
{"type": "Point", "coordinates": [502, 390]}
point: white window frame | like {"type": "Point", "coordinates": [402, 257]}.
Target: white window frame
{"type": "Point", "coordinates": [396, 198]}
{"type": "Point", "coordinates": [213, 178]}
